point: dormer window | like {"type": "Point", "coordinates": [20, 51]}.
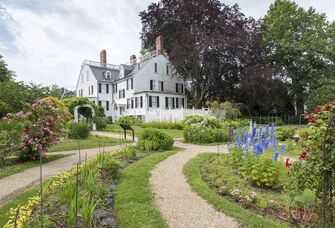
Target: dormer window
{"type": "Point", "coordinates": [108, 74]}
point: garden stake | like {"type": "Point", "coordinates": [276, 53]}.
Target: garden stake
{"type": "Point", "coordinates": [41, 189]}
{"type": "Point", "coordinates": [79, 151]}
{"type": "Point", "coordinates": [16, 217]}
{"type": "Point", "coordinates": [85, 165]}
{"type": "Point", "coordinates": [77, 197]}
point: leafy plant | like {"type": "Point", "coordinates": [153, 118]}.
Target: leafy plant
{"type": "Point", "coordinates": [205, 121]}
{"type": "Point", "coordinates": [159, 140]}
{"type": "Point", "coordinates": [130, 120]}
{"type": "Point", "coordinates": [199, 134]}
{"type": "Point", "coordinates": [78, 130]}
{"type": "Point", "coordinates": [163, 125]}
{"type": "Point", "coordinates": [101, 122]}
{"type": "Point", "coordinates": [284, 133]}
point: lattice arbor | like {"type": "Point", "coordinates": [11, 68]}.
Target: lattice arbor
{"type": "Point", "coordinates": [328, 173]}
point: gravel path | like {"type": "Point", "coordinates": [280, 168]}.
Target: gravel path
{"type": "Point", "coordinates": [178, 203]}
{"type": "Point", "coordinates": [15, 184]}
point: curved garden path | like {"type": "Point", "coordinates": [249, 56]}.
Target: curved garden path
{"type": "Point", "coordinates": [179, 205]}
{"type": "Point", "coordinates": [15, 184]}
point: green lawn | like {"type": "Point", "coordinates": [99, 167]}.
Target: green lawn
{"type": "Point", "coordinates": [243, 216]}
{"type": "Point", "coordinates": [91, 142]}
{"type": "Point", "coordinates": [138, 129]}
{"type": "Point", "coordinates": [19, 167]}
{"type": "Point", "coordinates": [135, 201]}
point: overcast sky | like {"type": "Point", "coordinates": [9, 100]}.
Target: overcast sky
{"type": "Point", "coordinates": [46, 41]}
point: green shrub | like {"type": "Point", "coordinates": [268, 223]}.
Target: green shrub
{"type": "Point", "coordinates": [126, 153]}
{"type": "Point", "coordinates": [205, 121]}
{"type": "Point", "coordinates": [284, 133]}
{"type": "Point", "coordinates": [264, 172]}
{"type": "Point", "coordinates": [130, 120]}
{"type": "Point", "coordinates": [266, 120]}
{"type": "Point", "coordinates": [163, 125]}
{"type": "Point", "coordinates": [199, 134]}
{"type": "Point", "coordinates": [155, 140]}
{"type": "Point", "coordinates": [78, 130]}
{"type": "Point", "coordinates": [238, 123]}
{"type": "Point", "coordinates": [101, 122]}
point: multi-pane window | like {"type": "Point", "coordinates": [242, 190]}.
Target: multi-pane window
{"type": "Point", "coordinates": [100, 88]}
{"type": "Point", "coordinates": [179, 88]}
{"type": "Point", "coordinates": [91, 89]}
{"type": "Point", "coordinates": [114, 88]}
{"type": "Point", "coordinates": [152, 85]}
{"type": "Point", "coordinates": [153, 101]}
{"type": "Point", "coordinates": [141, 101]}
{"type": "Point", "coordinates": [128, 103]}
{"type": "Point", "coordinates": [107, 105]}
{"type": "Point", "coordinates": [107, 88]}
{"type": "Point", "coordinates": [160, 86]}
{"type": "Point", "coordinates": [136, 102]}
{"type": "Point", "coordinates": [131, 83]}
{"type": "Point", "coordinates": [122, 93]}
{"type": "Point", "coordinates": [132, 103]}
{"type": "Point", "coordinates": [99, 103]}
{"type": "Point", "coordinates": [155, 67]}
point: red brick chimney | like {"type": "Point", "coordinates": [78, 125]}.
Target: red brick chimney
{"type": "Point", "coordinates": [103, 58]}
{"type": "Point", "coordinates": [132, 60]}
{"type": "Point", "coordinates": [159, 45]}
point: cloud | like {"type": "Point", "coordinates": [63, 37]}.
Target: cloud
{"type": "Point", "coordinates": [46, 41]}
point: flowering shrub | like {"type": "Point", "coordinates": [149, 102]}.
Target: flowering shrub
{"type": "Point", "coordinates": [196, 133]}
{"type": "Point", "coordinates": [205, 121]}
{"type": "Point", "coordinates": [33, 132]}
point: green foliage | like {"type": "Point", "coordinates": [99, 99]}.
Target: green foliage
{"type": "Point", "coordinates": [266, 120]}
{"type": "Point", "coordinates": [320, 96]}
{"type": "Point", "coordinates": [305, 200]}
{"type": "Point", "coordinates": [302, 49]}
{"type": "Point", "coordinates": [78, 130]}
{"type": "Point", "coordinates": [265, 172]}
{"type": "Point", "coordinates": [163, 125]}
{"type": "Point", "coordinates": [199, 134]}
{"type": "Point", "coordinates": [130, 120]}
{"type": "Point", "coordinates": [237, 123]}
{"type": "Point", "coordinates": [72, 102]}
{"type": "Point", "coordinates": [205, 121]}
{"type": "Point", "coordinates": [284, 133]}
{"type": "Point", "coordinates": [126, 153]}
{"type": "Point", "coordinates": [157, 140]}
{"type": "Point", "coordinates": [101, 122]}
{"type": "Point", "coordinates": [224, 110]}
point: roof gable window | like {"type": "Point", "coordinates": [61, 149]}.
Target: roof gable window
{"type": "Point", "coordinates": [108, 74]}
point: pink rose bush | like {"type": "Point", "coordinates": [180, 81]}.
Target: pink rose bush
{"type": "Point", "coordinates": [30, 134]}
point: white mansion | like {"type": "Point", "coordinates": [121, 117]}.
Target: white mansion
{"type": "Point", "coordinates": [146, 87]}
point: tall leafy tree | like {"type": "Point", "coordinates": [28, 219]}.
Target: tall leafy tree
{"type": "Point", "coordinates": [5, 73]}
{"type": "Point", "coordinates": [206, 40]}
{"type": "Point", "coordinates": [300, 41]}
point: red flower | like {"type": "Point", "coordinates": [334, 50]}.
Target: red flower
{"type": "Point", "coordinates": [305, 113]}
{"type": "Point", "coordinates": [330, 103]}
{"type": "Point", "coordinates": [303, 155]}
{"type": "Point", "coordinates": [311, 119]}
{"type": "Point", "coordinates": [288, 163]}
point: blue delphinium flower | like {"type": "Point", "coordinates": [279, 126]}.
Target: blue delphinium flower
{"type": "Point", "coordinates": [273, 143]}
{"type": "Point", "coordinates": [244, 149]}
{"type": "Point", "coordinates": [282, 149]}
{"type": "Point", "coordinates": [272, 131]}
{"type": "Point", "coordinates": [238, 141]}
{"type": "Point", "coordinates": [259, 134]}
{"type": "Point", "coordinates": [254, 132]}
{"type": "Point", "coordinates": [275, 157]}
{"type": "Point", "coordinates": [259, 149]}
{"type": "Point", "coordinates": [245, 137]}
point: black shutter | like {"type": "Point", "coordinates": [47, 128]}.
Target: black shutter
{"type": "Point", "coordinates": [177, 102]}
{"type": "Point", "coordinates": [99, 87]}
{"type": "Point", "coordinates": [107, 88]}
{"type": "Point", "coordinates": [176, 87]}
{"type": "Point", "coordinates": [166, 102]}
{"type": "Point", "coordinates": [150, 101]}
{"type": "Point", "coordinates": [173, 106]}
{"type": "Point", "coordinates": [157, 101]}
{"type": "Point", "coordinates": [132, 103]}
{"type": "Point", "coordinates": [162, 86]}
{"type": "Point", "coordinates": [136, 101]}
{"type": "Point", "coordinates": [141, 100]}
{"type": "Point", "coordinates": [107, 105]}
{"type": "Point", "coordinates": [183, 102]}
{"type": "Point", "coordinates": [131, 83]}
{"type": "Point", "coordinates": [151, 84]}
{"type": "Point", "coordinates": [128, 103]}
{"type": "Point", "coordinates": [182, 88]}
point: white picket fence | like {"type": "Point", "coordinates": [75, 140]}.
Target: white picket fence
{"type": "Point", "coordinates": [172, 115]}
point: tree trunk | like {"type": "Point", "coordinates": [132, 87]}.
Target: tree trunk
{"type": "Point", "coordinates": [197, 97]}
{"type": "Point", "coordinates": [299, 105]}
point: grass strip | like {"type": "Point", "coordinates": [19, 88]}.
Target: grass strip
{"type": "Point", "coordinates": [244, 217]}
{"type": "Point", "coordinates": [135, 201]}
{"type": "Point", "coordinates": [19, 167]}
{"type": "Point", "coordinates": [91, 142]}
